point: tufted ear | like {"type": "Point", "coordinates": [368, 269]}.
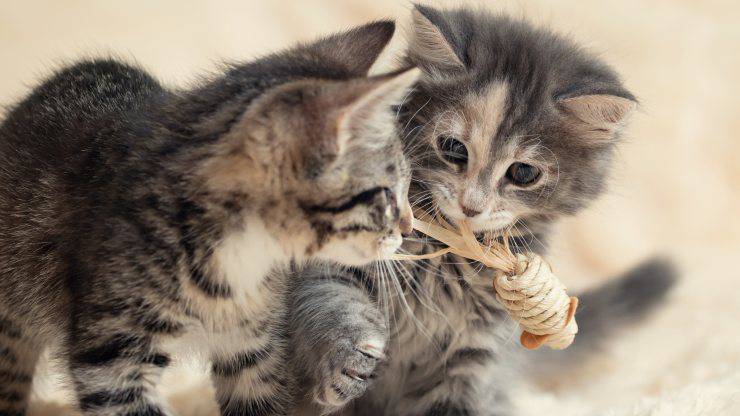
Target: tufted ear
{"type": "Point", "coordinates": [356, 49]}
{"type": "Point", "coordinates": [337, 114]}
{"type": "Point", "coordinates": [600, 116]}
{"type": "Point", "coordinates": [428, 44]}
{"type": "Point", "coordinates": [371, 110]}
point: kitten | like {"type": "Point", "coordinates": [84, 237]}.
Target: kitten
{"type": "Point", "coordinates": [137, 218]}
{"type": "Point", "coordinates": [510, 128]}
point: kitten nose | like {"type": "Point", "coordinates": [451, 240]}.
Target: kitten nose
{"type": "Point", "coordinates": [468, 211]}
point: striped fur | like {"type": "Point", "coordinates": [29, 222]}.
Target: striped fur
{"type": "Point", "coordinates": [138, 221]}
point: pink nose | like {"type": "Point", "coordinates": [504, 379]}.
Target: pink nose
{"type": "Point", "coordinates": [469, 212]}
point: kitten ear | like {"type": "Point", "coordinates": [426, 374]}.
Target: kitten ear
{"type": "Point", "coordinates": [341, 113]}
{"type": "Point", "coordinates": [371, 109]}
{"type": "Point", "coordinates": [357, 49]}
{"type": "Point", "coordinates": [428, 42]}
{"type": "Point", "coordinates": [602, 115]}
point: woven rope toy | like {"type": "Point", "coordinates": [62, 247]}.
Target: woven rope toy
{"type": "Point", "coordinates": [524, 285]}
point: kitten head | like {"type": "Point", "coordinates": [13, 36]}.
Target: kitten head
{"type": "Point", "coordinates": [347, 173]}
{"type": "Point", "coordinates": [510, 123]}
{"type": "Point", "coordinates": [321, 158]}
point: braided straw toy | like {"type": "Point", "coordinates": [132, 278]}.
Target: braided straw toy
{"type": "Point", "coordinates": [524, 285]}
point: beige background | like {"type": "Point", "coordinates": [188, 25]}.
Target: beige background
{"type": "Point", "coordinates": [675, 188]}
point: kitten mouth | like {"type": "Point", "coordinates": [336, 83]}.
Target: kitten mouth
{"type": "Point", "coordinates": [496, 225]}
{"type": "Point", "coordinates": [495, 229]}
{"type": "Point", "coordinates": [388, 245]}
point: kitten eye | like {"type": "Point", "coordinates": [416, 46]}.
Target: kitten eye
{"type": "Point", "coordinates": [453, 150]}
{"type": "Point", "coordinates": [522, 174]}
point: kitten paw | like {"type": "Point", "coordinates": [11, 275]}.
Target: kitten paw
{"type": "Point", "coordinates": [348, 371]}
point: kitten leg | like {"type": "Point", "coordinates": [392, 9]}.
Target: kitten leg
{"type": "Point", "coordinates": [339, 337]}
{"type": "Point", "coordinates": [116, 364]}
{"type": "Point", "coordinates": [249, 374]}
{"type": "Point", "coordinates": [465, 380]}
{"type": "Point", "coordinates": [18, 357]}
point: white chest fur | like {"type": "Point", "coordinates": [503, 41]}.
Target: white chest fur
{"type": "Point", "coordinates": [244, 259]}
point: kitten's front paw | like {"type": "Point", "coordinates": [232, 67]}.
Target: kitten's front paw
{"type": "Point", "coordinates": [348, 370]}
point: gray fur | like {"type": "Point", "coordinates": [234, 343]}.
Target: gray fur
{"type": "Point", "coordinates": [522, 94]}
{"type": "Point", "coordinates": [343, 335]}
{"type": "Point", "coordinates": [137, 218]}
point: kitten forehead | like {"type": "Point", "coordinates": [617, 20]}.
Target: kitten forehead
{"type": "Point", "coordinates": [484, 111]}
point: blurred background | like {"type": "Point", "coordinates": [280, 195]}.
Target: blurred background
{"type": "Point", "coordinates": [674, 191]}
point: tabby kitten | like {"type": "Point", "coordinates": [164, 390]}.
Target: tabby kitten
{"type": "Point", "coordinates": [136, 218]}
{"type": "Point", "coordinates": [510, 128]}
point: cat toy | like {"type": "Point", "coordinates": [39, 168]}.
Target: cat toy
{"type": "Point", "coordinates": [524, 284]}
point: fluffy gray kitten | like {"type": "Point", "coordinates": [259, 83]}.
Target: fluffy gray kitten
{"type": "Point", "coordinates": [136, 219]}
{"type": "Point", "coordinates": [510, 128]}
